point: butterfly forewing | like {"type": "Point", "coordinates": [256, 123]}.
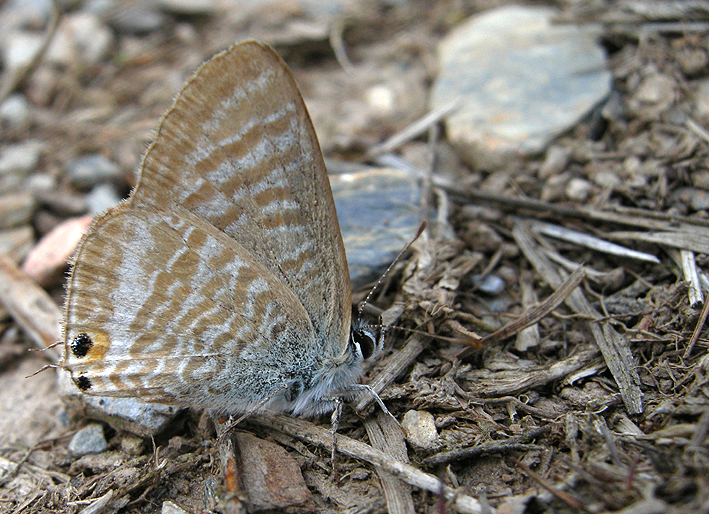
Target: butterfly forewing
{"type": "Point", "coordinates": [224, 272]}
{"type": "Point", "coordinates": [249, 163]}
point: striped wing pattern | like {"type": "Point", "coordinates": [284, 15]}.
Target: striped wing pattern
{"type": "Point", "coordinates": [223, 277]}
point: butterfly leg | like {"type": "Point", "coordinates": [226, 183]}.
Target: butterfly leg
{"type": "Point", "coordinates": [368, 388]}
{"type": "Point", "coordinates": [335, 421]}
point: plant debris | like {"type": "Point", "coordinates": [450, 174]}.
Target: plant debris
{"type": "Point", "coordinates": [551, 319]}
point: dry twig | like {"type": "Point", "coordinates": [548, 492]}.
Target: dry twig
{"type": "Point", "coordinates": [613, 345]}
{"type": "Point", "coordinates": [306, 431]}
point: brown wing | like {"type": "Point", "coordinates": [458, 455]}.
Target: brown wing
{"type": "Point", "coordinates": [171, 309]}
{"type": "Point", "coordinates": [238, 150]}
{"type": "Point", "coordinates": [226, 266]}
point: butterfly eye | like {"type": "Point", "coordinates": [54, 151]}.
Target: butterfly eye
{"type": "Point", "coordinates": [367, 341]}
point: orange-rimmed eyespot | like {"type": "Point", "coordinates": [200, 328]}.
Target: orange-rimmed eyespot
{"type": "Point", "coordinates": [81, 345]}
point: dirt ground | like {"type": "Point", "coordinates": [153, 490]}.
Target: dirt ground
{"type": "Point", "coordinates": [529, 420]}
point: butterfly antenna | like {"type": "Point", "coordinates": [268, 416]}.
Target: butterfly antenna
{"type": "Point", "coordinates": [465, 340]}
{"type": "Point", "coordinates": [422, 227]}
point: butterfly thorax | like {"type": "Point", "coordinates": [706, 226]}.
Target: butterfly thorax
{"type": "Point", "coordinates": [333, 377]}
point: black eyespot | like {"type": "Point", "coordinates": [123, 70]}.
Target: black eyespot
{"type": "Point", "coordinates": [81, 345]}
{"type": "Point", "coordinates": [83, 383]}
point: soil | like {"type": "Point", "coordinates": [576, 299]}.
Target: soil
{"type": "Point", "coordinates": [535, 414]}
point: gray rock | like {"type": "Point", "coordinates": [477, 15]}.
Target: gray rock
{"type": "Point", "coordinates": [553, 188]}
{"type": "Point", "coordinates": [17, 209]}
{"type": "Point", "coordinates": [169, 507]}
{"type": "Point", "coordinates": [92, 37]}
{"type": "Point", "coordinates": [15, 111]}
{"type": "Point", "coordinates": [190, 7]}
{"type": "Point", "coordinates": [80, 36]}
{"type": "Point", "coordinates": [701, 98]}
{"type": "Point", "coordinates": [697, 199]}
{"type": "Point", "coordinates": [136, 17]}
{"type": "Point", "coordinates": [19, 48]}
{"type": "Point", "coordinates": [17, 243]}
{"type": "Point", "coordinates": [19, 159]}
{"type": "Point", "coordinates": [17, 15]}
{"type": "Point", "coordinates": [320, 9]}
{"type": "Point", "coordinates": [521, 81]}
{"type": "Point", "coordinates": [489, 284]}
{"type": "Point", "coordinates": [655, 89]}
{"type": "Point", "coordinates": [578, 189]}
{"type": "Point", "coordinates": [378, 214]}
{"type": "Point", "coordinates": [91, 170]}
{"type": "Point", "coordinates": [89, 439]}
{"type": "Point", "coordinates": [39, 183]}
{"type": "Point", "coordinates": [607, 179]}
{"type": "Point", "coordinates": [102, 198]}
{"type": "Point", "coordinates": [555, 161]}
{"type": "Point", "coordinates": [131, 414]}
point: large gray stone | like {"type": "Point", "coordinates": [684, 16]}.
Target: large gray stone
{"type": "Point", "coordinates": [521, 82]}
{"type": "Point", "coordinates": [378, 214]}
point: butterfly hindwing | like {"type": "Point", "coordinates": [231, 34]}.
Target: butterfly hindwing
{"type": "Point", "coordinates": [196, 309]}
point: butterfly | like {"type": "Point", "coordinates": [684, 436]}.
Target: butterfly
{"type": "Point", "coordinates": [221, 282]}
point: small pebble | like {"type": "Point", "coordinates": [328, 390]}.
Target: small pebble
{"type": "Point", "coordinates": [171, 508]}
{"type": "Point", "coordinates": [89, 439]}
{"type": "Point", "coordinates": [19, 49]}
{"type": "Point", "coordinates": [81, 36]}
{"type": "Point", "coordinates": [39, 183]}
{"type": "Point", "coordinates": [555, 161]}
{"type": "Point", "coordinates": [132, 445]}
{"type": "Point", "coordinates": [16, 209]}
{"type": "Point", "coordinates": [553, 188]}
{"type": "Point", "coordinates": [578, 189]}
{"type": "Point", "coordinates": [47, 261]}
{"type": "Point", "coordinates": [91, 170]}
{"type": "Point", "coordinates": [102, 198]}
{"type": "Point", "coordinates": [607, 179]}
{"type": "Point", "coordinates": [17, 243]}
{"type": "Point", "coordinates": [20, 158]}
{"type": "Point", "coordinates": [137, 18]}
{"type": "Point", "coordinates": [420, 429]}
{"type": "Point", "coordinates": [190, 7]}
{"type": "Point", "coordinates": [701, 98]}
{"type": "Point", "coordinates": [127, 414]}
{"type": "Point", "coordinates": [272, 478]}
{"type": "Point", "coordinates": [14, 111]}
{"type": "Point", "coordinates": [655, 89]}
{"type": "Point", "coordinates": [697, 199]}
{"type": "Point", "coordinates": [27, 13]}
{"type": "Point", "coordinates": [693, 62]}
{"type": "Point", "coordinates": [490, 284]}
{"type": "Point", "coordinates": [381, 99]}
